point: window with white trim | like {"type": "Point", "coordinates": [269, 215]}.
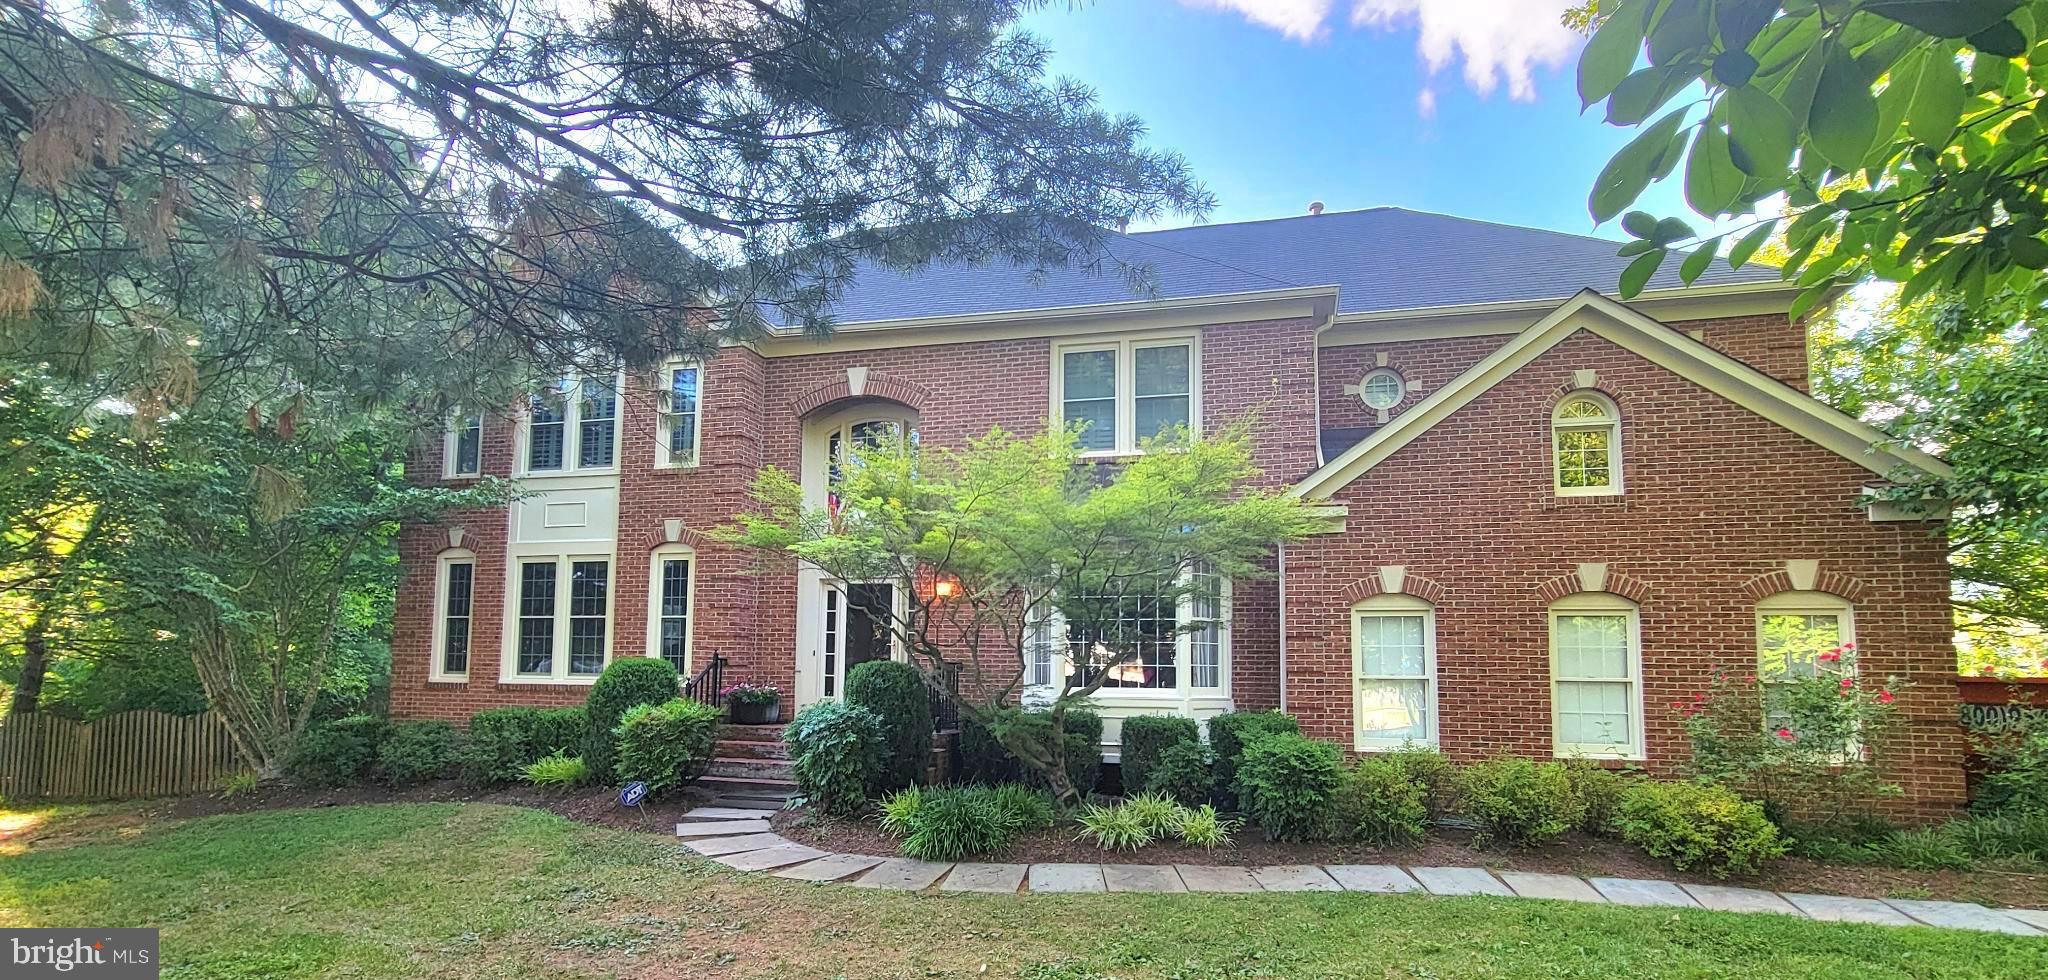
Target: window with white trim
{"type": "Point", "coordinates": [1596, 676]}
{"type": "Point", "coordinates": [682, 415]}
{"type": "Point", "coordinates": [1175, 646]}
{"type": "Point", "coordinates": [454, 590]}
{"type": "Point", "coordinates": [1585, 434]}
{"type": "Point", "coordinates": [1801, 635]}
{"type": "Point", "coordinates": [1124, 392]}
{"type": "Point", "coordinates": [564, 616]}
{"type": "Point", "coordinates": [1382, 389]}
{"type": "Point", "coordinates": [1393, 642]}
{"type": "Point", "coordinates": [668, 616]}
{"type": "Point", "coordinates": [463, 449]}
{"type": "Point", "coordinates": [572, 425]}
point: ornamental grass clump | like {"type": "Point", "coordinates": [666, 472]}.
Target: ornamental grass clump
{"type": "Point", "coordinates": [1114, 828]}
{"type": "Point", "coordinates": [1203, 827]}
{"type": "Point", "coordinates": [556, 771]}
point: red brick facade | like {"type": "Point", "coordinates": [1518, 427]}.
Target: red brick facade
{"type": "Point", "coordinates": [1718, 500]}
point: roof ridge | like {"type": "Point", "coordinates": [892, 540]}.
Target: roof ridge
{"type": "Point", "coordinates": [1261, 221]}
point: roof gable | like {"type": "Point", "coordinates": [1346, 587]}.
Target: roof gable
{"type": "Point", "coordinates": [1747, 387]}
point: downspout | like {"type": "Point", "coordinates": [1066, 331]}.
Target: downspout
{"type": "Point", "coordinates": [1283, 623]}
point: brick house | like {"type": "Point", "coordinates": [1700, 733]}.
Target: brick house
{"type": "Point", "coordinates": [1559, 512]}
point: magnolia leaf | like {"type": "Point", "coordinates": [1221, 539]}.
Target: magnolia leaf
{"type": "Point", "coordinates": [2028, 251]}
{"type": "Point", "coordinates": [1944, 18]}
{"type": "Point", "coordinates": [1734, 67]}
{"type": "Point", "coordinates": [1639, 272]}
{"type": "Point", "coordinates": [1681, 30]}
{"type": "Point", "coordinates": [2001, 39]}
{"type": "Point", "coordinates": [1626, 176]}
{"type": "Point", "coordinates": [1937, 104]}
{"type": "Point", "coordinates": [1699, 260]}
{"type": "Point", "coordinates": [1843, 120]}
{"type": "Point", "coordinates": [1761, 133]}
{"type": "Point", "coordinates": [1641, 224]}
{"type": "Point", "coordinates": [1642, 93]}
{"type": "Point", "coordinates": [1712, 182]}
{"type": "Point", "coordinates": [1740, 21]}
{"type": "Point", "coordinates": [1611, 54]}
{"type": "Point", "coordinates": [1746, 246]}
{"type": "Point", "coordinates": [1808, 298]}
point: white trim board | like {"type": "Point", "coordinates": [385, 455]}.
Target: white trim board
{"type": "Point", "coordinates": [1668, 348]}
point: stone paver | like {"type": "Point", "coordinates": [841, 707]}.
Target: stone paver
{"type": "Point", "coordinates": [1728, 898]}
{"type": "Point", "coordinates": [1564, 888]}
{"type": "Point", "coordinates": [1142, 878]}
{"type": "Point", "coordinates": [2033, 917]}
{"type": "Point", "coordinates": [724, 813]}
{"type": "Point", "coordinates": [904, 875]}
{"type": "Point", "coordinates": [1460, 881]}
{"type": "Point", "coordinates": [769, 858]}
{"type": "Point", "coordinates": [1295, 878]}
{"type": "Point", "coordinates": [1065, 878]}
{"type": "Point", "coordinates": [831, 867]}
{"type": "Point", "coordinates": [1837, 908]}
{"type": "Point", "coordinates": [714, 846]}
{"type": "Point", "coordinates": [721, 828]}
{"type": "Point", "coordinates": [1384, 878]}
{"type": "Point", "coordinates": [994, 879]}
{"type": "Point", "coordinates": [1962, 915]}
{"type": "Point", "coordinates": [1217, 878]}
{"type": "Point", "coordinates": [746, 803]}
{"type": "Point", "coordinates": [1631, 891]}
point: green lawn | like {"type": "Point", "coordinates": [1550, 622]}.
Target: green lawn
{"type": "Point", "coordinates": [453, 890]}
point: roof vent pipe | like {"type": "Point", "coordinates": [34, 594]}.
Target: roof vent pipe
{"type": "Point", "coordinates": [1122, 224]}
{"type": "Point", "coordinates": [1315, 207]}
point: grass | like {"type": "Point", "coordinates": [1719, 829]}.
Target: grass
{"type": "Point", "coordinates": [471, 890]}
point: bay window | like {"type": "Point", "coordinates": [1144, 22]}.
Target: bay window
{"type": "Point", "coordinates": [1173, 642]}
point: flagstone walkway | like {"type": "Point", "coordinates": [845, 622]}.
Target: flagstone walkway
{"type": "Point", "coordinates": [734, 831]}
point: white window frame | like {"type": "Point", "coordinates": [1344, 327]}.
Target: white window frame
{"type": "Point", "coordinates": [654, 583]}
{"type": "Point", "coordinates": [558, 666]}
{"type": "Point", "coordinates": [1611, 424]}
{"type": "Point", "coordinates": [451, 440]}
{"type": "Point", "coordinates": [664, 457]}
{"type": "Point", "coordinates": [1803, 604]}
{"type": "Point", "coordinates": [1391, 606]}
{"type": "Point", "coordinates": [1600, 604]}
{"type": "Point", "coordinates": [1048, 658]}
{"type": "Point", "coordinates": [570, 387]}
{"type": "Point", "coordinates": [437, 664]}
{"type": "Point", "coordinates": [1365, 385]}
{"type": "Point", "coordinates": [1126, 383]}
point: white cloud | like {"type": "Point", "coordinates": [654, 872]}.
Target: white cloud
{"type": "Point", "coordinates": [1499, 41]}
{"type": "Point", "coordinates": [1298, 19]}
{"type": "Point", "coordinates": [1425, 103]}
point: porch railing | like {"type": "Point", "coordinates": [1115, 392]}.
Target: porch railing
{"type": "Point", "coordinates": [945, 711]}
{"type": "Point", "coordinates": [707, 686]}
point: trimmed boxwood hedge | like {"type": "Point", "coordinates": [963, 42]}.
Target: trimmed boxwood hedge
{"type": "Point", "coordinates": [896, 693]}
{"type": "Point", "coordinates": [1147, 737]}
{"type": "Point", "coordinates": [628, 682]}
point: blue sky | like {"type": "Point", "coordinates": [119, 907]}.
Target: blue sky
{"type": "Point", "coordinates": [1280, 102]}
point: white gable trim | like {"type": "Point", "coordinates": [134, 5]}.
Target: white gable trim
{"type": "Point", "coordinates": [1674, 351]}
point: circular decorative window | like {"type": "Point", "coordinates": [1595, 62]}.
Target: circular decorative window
{"type": "Point", "coordinates": [1382, 389]}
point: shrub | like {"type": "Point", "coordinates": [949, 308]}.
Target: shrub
{"type": "Point", "coordinates": [1520, 801]}
{"type": "Point", "coordinates": [629, 681]}
{"type": "Point", "coordinates": [1203, 828]}
{"type": "Point", "coordinates": [416, 751]}
{"type": "Point", "coordinates": [949, 824]}
{"type": "Point", "coordinates": [2016, 770]}
{"type": "Point", "coordinates": [239, 783]}
{"type": "Point", "coordinates": [1923, 849]}
{"type": "Point", "coordinates": [1286, 782]}
{"type": "Point", "coordinates": [1380, 804]}
{"type": "Point", "coordinates": [985, 759]}
{"type": "Point", "coordinates": [1186, 772]}
{"type": "Point", "coordinates": [501, 744]}
{"type": "Point", "coordinates": [1433, 771]}
{"type": "Point", "coordinates": [665, 745]}
{"type": "Point", "coordinates": [1600, 789]}
{"type": "Point", "coordinates": [1160, 815]}
{"type": "Point", "coordinates": [896, 693]}
{"type": "Point", "coordinates": [1228, 733]}
{"type": "Point", "coordinates": [556, 770]}
{"type": "Point", "coordinates": [558, 730]}
{"type": "Point", "coordinates": [835, 751]}
{"type": "Point", "coordinates": [1145, 738]}
{"type": "Point", "coordinates": [1114, 828]}
{"type": "Point", "coordinates": [1695, 825]}
{"type": "Point", "coordinates": [336, 753]}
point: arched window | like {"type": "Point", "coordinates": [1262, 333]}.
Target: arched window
{"type": "Point", "coordinates": [670, 601]}
{"type": "Point", "coordinates": [1596, 665]}
{"type": "Point", "coordinates": [1585, 435]}
{"type": "Point", "coordinates": [1393, 643]}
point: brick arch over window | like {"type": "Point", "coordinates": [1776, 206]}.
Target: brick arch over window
{"type": "Point", "coordinates": [1585, 580]}
{"type": "Point", "coordinates": [882, 386]}
{"type": "Point", "coordinates": [1427, 589]}
{"type": "Point", "coordinates": [1583, 383]}
{"type": "Point", "coordinates": [1833, 583]}
{"type": "Point", "coordinates": [657, 536]}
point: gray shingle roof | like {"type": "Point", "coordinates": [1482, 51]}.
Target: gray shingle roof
{"type": "Point", "coordinates": [1381, 259]}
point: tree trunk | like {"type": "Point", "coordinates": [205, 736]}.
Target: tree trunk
{"type": "Point", "coordinates": [35, 662]}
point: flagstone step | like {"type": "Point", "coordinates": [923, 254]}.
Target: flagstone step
{"type": "Point", "coordinates": [745, 748]}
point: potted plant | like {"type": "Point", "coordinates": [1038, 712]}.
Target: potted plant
{"type": "Point", "coordinates": [753, 704]}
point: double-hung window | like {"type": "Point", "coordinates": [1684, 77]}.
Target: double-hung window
{"type": "Point", "coordinates": [1596, 677]}
{"type": "Point", "coordinates": [562, 630]}
{"type": "Point", "coordinates": [463, 454]}
{"type": "Point", "coordinates": [682, 415]}
{"type": "Point", "coordinates": [668, 619]}
{"type": "Point", "coordinates": [573, 425]}
{"type": "Point", "coordinates": [1394, 660]}
{"type": "Point", "coordinates": [1802, 636]}
{"type": "Point", "coordinates": [1121, 393]}
{"type": "Point", "coordinates": [454, 589]}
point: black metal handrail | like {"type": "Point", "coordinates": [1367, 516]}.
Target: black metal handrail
{"type": "Point", "coordinates": [945, 710]}
{"type": "Point", "coordinates": [707, 686]}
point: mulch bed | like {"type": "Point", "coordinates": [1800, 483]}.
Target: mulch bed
{"type": "Point", "coordinates": [1575, 854]}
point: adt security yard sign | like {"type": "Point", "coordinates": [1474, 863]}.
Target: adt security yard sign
{"type": "Point", "coordinates": [633, 794]}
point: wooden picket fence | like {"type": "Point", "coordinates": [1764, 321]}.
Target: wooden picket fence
{"type": "Point", "coordinates": [129, 755]}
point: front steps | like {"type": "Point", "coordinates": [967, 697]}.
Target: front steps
{"type": "Point", "coordinates": [751, 761]}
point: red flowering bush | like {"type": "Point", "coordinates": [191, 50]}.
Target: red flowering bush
{"type": "Point", "coordinates": [1807, 742]}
